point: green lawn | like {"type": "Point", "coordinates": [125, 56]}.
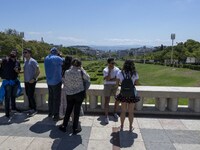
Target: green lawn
{"type": "Point", "coordinates": [157, 75]}
{"type": "Point", "coordinates": [149, 75]}
{"type": "Point", "coordinates": [152, 75]}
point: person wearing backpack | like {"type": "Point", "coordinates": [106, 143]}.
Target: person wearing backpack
{"type": "Point", "coordinates": [128, 78]}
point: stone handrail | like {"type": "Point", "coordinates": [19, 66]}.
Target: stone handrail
{"type": "Point", "coordinates": [166, 99]}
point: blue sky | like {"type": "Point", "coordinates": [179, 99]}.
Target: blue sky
{"type": "Point", "coordinates": [103, 22]}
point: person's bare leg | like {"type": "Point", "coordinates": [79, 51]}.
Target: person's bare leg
{"type": "Point", "coordinates": [123, 114]}
{"type": "Point", "coordinates": [116, 106]}
{"type": "Point", "coordinates": [131, 107]}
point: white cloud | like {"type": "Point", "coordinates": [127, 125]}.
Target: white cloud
{"type": "Point", "coordinates": [39, 33]}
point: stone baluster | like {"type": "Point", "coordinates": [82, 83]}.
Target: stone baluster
{"type": "Point", "coordinates": [197, 105]}
{"type": "Point", "coordinates": [191, 103]}
{"type": "Point", "coordinates": [38, 100]}
{"type": "Point", "coordinates": [160, 103]}
{"type": "Point", "coordinates": [172, 104]}
{"type": "Point", "coordinates": [93, 101]}
{"type": "Point", "coordinates": [139, 105]}
{"type": "Point", "coordinates": [102, 102]}
{"type": "Point", "coordinates": [26, 103]}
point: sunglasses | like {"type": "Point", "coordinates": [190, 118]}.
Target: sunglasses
{"type": "Point", "coordinates": [25, 52]}
{"type": "Point", "coordinates": [112, 63]}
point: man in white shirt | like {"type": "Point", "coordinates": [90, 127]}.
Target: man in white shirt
{"type": "Point", "coordinates": [110, 86]}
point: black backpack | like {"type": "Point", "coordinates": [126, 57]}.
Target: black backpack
{"type": "Point", "coordinates": [127, 86]}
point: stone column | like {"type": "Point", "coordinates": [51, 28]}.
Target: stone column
{"type": "Point", "coordinates": [191, 103]}
{"type": "Point", "coordinates": [160, 103]}
{"type": "Point", "coordinates": [26, 103]}
{"type": "Point", "coordinates": [38, 99]}
{"type": "Point", "coordinates": [102, 102]}
{"type": "Point", "coordinates": [172, 104]}
{"type": "Point", "coordinates": [93, 101]}
{"type": "Point", "coordinates": [197, 105]}
{"type": "Point", "coordinates": [139, 105]}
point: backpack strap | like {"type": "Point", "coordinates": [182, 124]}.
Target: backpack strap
{"type": "Point", "coordinates": [123, 74]}
{"type": "Point", "coordinates": [127, 75]}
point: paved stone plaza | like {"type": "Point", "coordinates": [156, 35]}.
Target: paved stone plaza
{"type": "Point", "coordinates": [41, 133]}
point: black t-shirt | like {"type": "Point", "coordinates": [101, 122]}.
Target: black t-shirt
{"type": "Point", "coordinates": [7, 69]}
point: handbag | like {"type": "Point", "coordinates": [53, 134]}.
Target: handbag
{"type": "Point", "coordinates": [86, 83]}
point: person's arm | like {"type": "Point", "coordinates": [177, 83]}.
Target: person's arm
{"type": "Point", "coordinates": [137, 82]}
{"type": "Point", "coordinates": [17, 67]}
{"type": "Point", "coordinates": [37, 72]}
{"type": "Point", "coordinates": [107, 76]}
{"type": "Point", "coordinates": [86, 76]}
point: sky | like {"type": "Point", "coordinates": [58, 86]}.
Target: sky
{"type": "Point", "coordinates": [103, 22]}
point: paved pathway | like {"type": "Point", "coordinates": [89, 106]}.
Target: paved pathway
{"type": "Point", "coordinates": [41, 133]}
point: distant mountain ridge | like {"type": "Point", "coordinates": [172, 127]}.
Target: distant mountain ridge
{"type": "Point", "coordinates": [109, 48]}
{"type": "Point", "coordinates": [117, 47]}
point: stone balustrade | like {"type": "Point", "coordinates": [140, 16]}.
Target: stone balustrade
{"type": "Point", "coordinates": [166, 99]}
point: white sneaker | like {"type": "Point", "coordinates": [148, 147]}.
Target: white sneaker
{"type": "Point", "coordinates": [107, 120]}
{"type": "Point", "coordinates": [116, 116]}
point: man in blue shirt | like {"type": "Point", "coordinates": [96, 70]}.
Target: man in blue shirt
{"type": "Point", "coordinates": [53, 69]}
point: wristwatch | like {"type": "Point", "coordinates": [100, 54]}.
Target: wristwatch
{"type": "Point", "coordinates": [34, 79]}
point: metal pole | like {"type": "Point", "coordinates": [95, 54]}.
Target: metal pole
{"type": "Point", "coordinates": [22, 36]}
{"type": "Point", "coordinates": [22, 50]}
{"type": "Point", "coordinates": [172, 37]}
{"type": "Point", "coordinates": [172, 52]}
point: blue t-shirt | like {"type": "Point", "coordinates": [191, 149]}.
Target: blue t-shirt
{"type": "Point", "coordinates": [53, 69]}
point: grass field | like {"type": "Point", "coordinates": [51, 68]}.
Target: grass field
{"type": "Point", "coordinates": [149, 75]}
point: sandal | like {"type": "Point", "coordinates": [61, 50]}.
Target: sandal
{"type": "Point", "coordinates": [131, 128]}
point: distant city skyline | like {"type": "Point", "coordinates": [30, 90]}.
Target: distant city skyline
{"type": "Point", "coordinates": [103, 22]}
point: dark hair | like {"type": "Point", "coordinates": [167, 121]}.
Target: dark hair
{"type": "Point", "coordinates": [67, 63]}
{"type": "Point", "coordinates": [28, 50]}
{"type": "Point", "coordinates": [14, 50]}
{"type": "Point", "coordinates": [110, 60]}
{"type": "Point", "coordinates": [129, 67]}
{"type": "Point", "coordinates": [76, 62]}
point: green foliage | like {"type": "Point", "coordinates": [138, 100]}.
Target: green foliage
{"type": "Point", "coordinates": [190, 48]}
{"type": "Point", "coordinates": [10, 39]}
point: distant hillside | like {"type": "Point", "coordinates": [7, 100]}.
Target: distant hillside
{"type": "Point", "coordinates": [115, 48]}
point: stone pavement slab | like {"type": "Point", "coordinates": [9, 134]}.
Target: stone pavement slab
{"type": "Point", "coordinates": [41, 133]}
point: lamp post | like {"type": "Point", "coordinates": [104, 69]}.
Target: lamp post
{"type": "Point", "coordinates": [172, 38]}
{"type": "Point", "coordinates": [22, 36]}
